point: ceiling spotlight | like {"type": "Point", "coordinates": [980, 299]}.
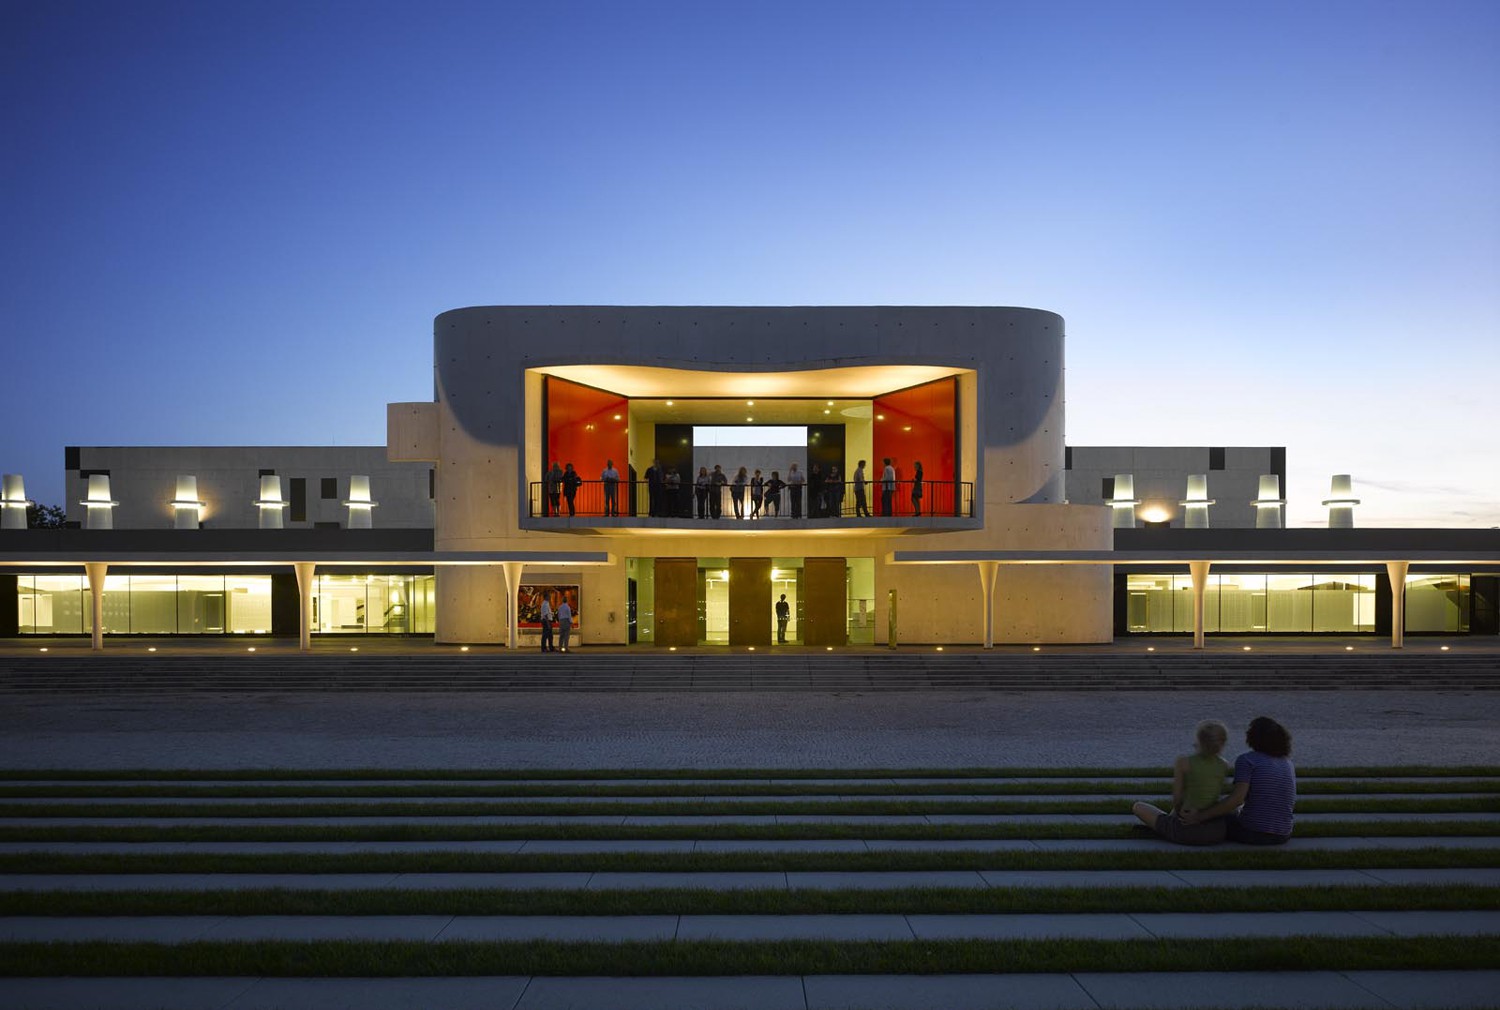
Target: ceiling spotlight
{"type": "Point", "coordinates": [830, 403]}
{"type": "Point", "coordinates": [671, 403]}
{"type": "Point", "coordinates": [880, 417]}
{"type": "Point", "coordinates": [749, 403]}
{"type": "Point", "coordinates": [617, 417]}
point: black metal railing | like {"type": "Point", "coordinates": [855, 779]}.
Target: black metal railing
{"type": "Point", "coordinates": [593, 498]}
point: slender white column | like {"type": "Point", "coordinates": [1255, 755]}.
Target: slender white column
{"type": "Point", "coordinates": [987, 572]}
{"type": "Point", "coordinates": [306, 580]}
{"type": "Point", "coordinates": [1268, 503]}
{"type": "Point", "coordinates": [1397, 571]}
{"type": "Point", "coordinates": [1198, 570]}
{"type": "Point", "coordinates": [99, 508]}
{"type": "Point", "coordinates": [96, 571]}
{"type": "Point", "coordinates": [1195, 505]}
{"type": "Point", "coordinates": [13, 502]}
{"type": "Point", "coordinates": [1341, 502]}
{"type": "Point", "coordinates": [512, 571]}
{"type": "Point", "coordinates": [360, 504]}
{"type": "Point", "coordinates": [187, 510]}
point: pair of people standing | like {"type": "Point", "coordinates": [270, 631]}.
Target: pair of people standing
{"type": "Point", "coordinates": [563, 617]}
{"type": "Point", "coordinates": [709, 490]}
{"type": "Point", "coordinates": [560, 483]}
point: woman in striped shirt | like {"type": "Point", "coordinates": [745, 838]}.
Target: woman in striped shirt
{"type": "Point", "coordinates": [1258, 810]}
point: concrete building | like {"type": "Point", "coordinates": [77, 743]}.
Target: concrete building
{"type": "Point", "coordinates": [469, 518]}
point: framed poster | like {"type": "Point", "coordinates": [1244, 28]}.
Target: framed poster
{"type": "Point", "coordinates": [529, 604]}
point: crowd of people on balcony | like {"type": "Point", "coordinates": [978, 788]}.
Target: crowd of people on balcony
{"type": "Point", "coordinates": [817, 492]}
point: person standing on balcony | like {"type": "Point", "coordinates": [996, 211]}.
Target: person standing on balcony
{"type": "Point", "coordinates": [861, 504]}
{"type": "Point", "coordinates": [916, 489]}
{"type": "Point", "coordinates": [655, 484]}
{"type": "Point", "coordinates": [700, 490]}
{"type": "Point", "coordinates": [716, 482]}
{"type": "Point", "coordinates": [737, 493]}
{"type": "Point", "coordinates": [887, 488]}
{"type": "Point", "coordinates": [773, 493]}
{"type": "Point", "coordinates": [783, 615]}
{"type": "Point", "coordinates": [610, 478]}
{"type": "Point", "coordinates": [553, 484]}
{"type": "Point", "coordinates": [757, 492]}
{"type": "Point", "coordinates": [794, 481]}
{"type": "Point", "coordinates": [570, 483]}
{"type": "Point", "coordinates": [833, 494]}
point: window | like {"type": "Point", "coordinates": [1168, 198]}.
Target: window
{"type": "Point", "coordinates": [330, 488]}
{"type": "Point", "coordinates": [268, 473]}
{"type": "Point", "coordinates": [1068, 457]}
{"type": "Point", "coordinates": [1107, 488]}
{"type": "Point", "coordinates": [299, 500]}
{"type": "Point", "coordinates": [1216, 458]}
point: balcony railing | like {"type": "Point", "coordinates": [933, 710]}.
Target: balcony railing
{"type": "Point", "coordinates": [592, 498]}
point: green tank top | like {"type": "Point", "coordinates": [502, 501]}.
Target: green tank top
{"type": "Point", "coordinates": [1204, 782]}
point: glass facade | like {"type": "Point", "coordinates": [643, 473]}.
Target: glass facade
{"type": "Point", "coordinates": [1437, 602]}
{"type": "Point", "coordinates": [1253, 603]}
{"type": "Point", "coordinates": [221, 604]}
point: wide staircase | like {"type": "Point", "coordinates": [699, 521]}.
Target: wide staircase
{"type": "Point", "coordinates": [448, 669]}
{"type": "Point", "coordinates": [903, 888]}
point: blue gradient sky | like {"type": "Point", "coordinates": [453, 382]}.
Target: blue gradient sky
{"type": "Point", "coordinates": [1266, 224]}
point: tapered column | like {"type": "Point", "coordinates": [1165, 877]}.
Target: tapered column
{"type": "Point", "coordinates": [360, 504]}
{"type": "Point", "coordinates": [513, 571]}
{"type": "Point", "coordinates": [988, 570]}
{"type": "Point", "coordinates": [13, 502]}
{"type": "Point", "coordinates": [1397, 570]}
{"type": "Point", "coordinates": [1198, 570]}
{"type": "Point", "coordinates": [306, 580]}
{"type": "Point", "coordinates": [1268, 503]}
{"type": "Point", "coordinates": [96, 571]}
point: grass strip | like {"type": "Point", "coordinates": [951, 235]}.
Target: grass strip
{"type": "Point", "coordinates": [1049, 788]}
{"type": "Point", "coordinates": [703, 808]}
{"type": "Point", "coordinates": [384, 960]}
{"type": "Point", "coordinates": [589, 774]}
{"type": "Point", "coordinates": [1168, 858]}
{"type": "Point", "coordinates": [683, 901]}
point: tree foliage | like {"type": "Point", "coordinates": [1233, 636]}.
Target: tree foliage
{"type": "Point", "coordinates": [45, 517]}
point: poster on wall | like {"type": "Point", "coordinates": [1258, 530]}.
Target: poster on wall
{"type": "Point", "coordinates": [529, 604]}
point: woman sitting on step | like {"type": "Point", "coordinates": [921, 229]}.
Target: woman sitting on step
{"type": "Point", "coordinates": [1197, 784]}
{"type": "Point", "coordinates": [1258, 810]}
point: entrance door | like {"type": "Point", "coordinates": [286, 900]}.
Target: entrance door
{"type": "Point", "coordinates": [676, 601]}
{"type": "Point", "coordinates": [749, 601]}
{"type": "Point", "coordinates": [824, 588]}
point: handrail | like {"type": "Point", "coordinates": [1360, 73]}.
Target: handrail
{"type": "Point", "coordinates": [622, 499]}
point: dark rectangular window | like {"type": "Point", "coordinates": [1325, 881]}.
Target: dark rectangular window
{"type": "Point", "coordinates": [86, 474]}
{"type": "Point", "coordinates": [268, 473]}
{"type": "Point", "coordinates": [1278, 466]}
{"type": "Point", "coordinates": [1068, 457]}
{"type": "Point", "coordinates": [432, 484]}
{"type": "Point", "coordinates": [1109, 489]}
{"type": "Point", "coordinates": [330, 488]}
{"type": "Point", "coordinates": [72, 458]}
{"type": "Point", "coordinates": [299, 500]}
{"type": "Point", "coordinates": [325, 526]}
{"type": "Point", "coordinates": [1216, 458]}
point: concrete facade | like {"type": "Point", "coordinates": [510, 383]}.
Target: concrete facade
{"type": "Point", "coordinates": [1161, 474]}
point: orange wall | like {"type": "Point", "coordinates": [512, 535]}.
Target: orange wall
{"type": "Point", "coordinates": [929, 412]}
{"type": "Point", "coordinates": [585, 427]}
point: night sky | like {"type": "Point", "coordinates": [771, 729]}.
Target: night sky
{"type": "Point", "coordinates": [1266, 224]}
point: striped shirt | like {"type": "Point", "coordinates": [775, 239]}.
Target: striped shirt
{"type": "Point", "coordinates": [1273, 792]}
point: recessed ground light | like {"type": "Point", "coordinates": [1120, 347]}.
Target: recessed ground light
{"type": "Point", "coordinates": [354, 648]}
{"type": "Point", "coordinates": [940, 648]}
{"type": "Point", "coordinates": [671, 648]}
{"type": "Point", "coordinates": [830, 648]}
{"type": "Point", "coordinates": [1348, 648]}
{"type": "Point", "coordinates": [251, 649]}
{"type": "Point", "coordinates": [463, 648]}
{"type": "Point", "coordinates": [1036, 648]}
{"type": "Point", "coordinates": [1150, 648]}
{"type": "Point", "coordinates": [1443, 648]}
{"type": "Point", "coordinates": [151, 648]}
{"type": "Point", "coordinates": [44, 648]}
{"type": "Point", "coordinates": [752, 648]}
{"type": "Point", "coordinates": [1247, 648]}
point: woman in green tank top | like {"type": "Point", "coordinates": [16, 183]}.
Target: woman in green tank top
{"type": "Point", "coordinates": [1197, 783]}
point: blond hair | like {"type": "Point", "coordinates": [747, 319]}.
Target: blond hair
{"type": "Point", "coordinates": [1212, 735]}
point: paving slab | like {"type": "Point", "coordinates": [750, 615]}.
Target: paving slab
{"type": "Point", "coordinates": [1100, 926]}
{"type": "Point", "coordinates": [780, 845]}
{"type": "Point", "coordinates": [128, 993]}
{"type": "Point", "coordinates": [1277, 878]}
{"type": "Point", "coordinates": [1423, 989]}
{"type": "Point", "coordinates": [490, 881]}
{"type": "Point", "coordinates": [882, 880]}
{"type": "Point", "coordinates": [793, 927]}
{"type": "Point", "coordinates": [693, 820]}
{"type": "Point", "coordinates": [146, 929]}
{"type": "Point", "coordinates": [572, 846]}
{"type": "Point", "coordinates": [327, 927]}
{"type": "Point", "coordinates": [1452, 923]}
{"type": "Point", "coordinates": [726, 881]}
{"type": "Point", "coordinates": [950, 845]}
{"type": "Point", "coordinates": [495, 993]}
{"type": "Point", "coordinates": [1208, 925]}
{"type": "Point", "coordinates": [197, 881]}
{"type": "Point", "coordinates": [602, 928]}
{"type": "Point", "coordinates": [1290, 990]}
{"type": "Point", "coordinates": [258, 848]}
{"type": "Point", "coordinates": [746, 992]}
{"type": "Point", "coordinates": [1090, 879]}
{"type": "Point", "coordinates": [945, 992]}
{"type": "Point", "coordinates": [1478, 876]}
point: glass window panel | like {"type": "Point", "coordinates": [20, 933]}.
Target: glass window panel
{"type": "Point", "coordinates": [116, 607]}
{"type": "Point", "coordinates": [388, 598]}
{"type": "Point", "coordinates": [715, 606]}
{"type": "Point", "coordinates": [1343, 603]}
{"type": "Point", "coordinates": [200, 605]}
{"type": "Point", "coordinates": [1289, 600]}
{"type": "Point", "coordinates": [153, 604]}
{"type": "Point", "coordinates": [1437, 602]}
{"type": "Point", "coordinates": [1149, 603]}
{"type": "Point", "coordinates": [861, 597]}
{"type": "Point", "coordinates": [342, 604]}
{"type": "Point", "coordinates": [642, 616]}
{"type": "Point", "coordinates": [423, 605]}
{"type": "Point", "coordinates": [51, 604]}
{"type": "Point", "coordinates": [1242, 603]}
{"type": "Point", "coordinates": [248, 602]}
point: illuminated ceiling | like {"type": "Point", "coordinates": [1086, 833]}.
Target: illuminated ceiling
{"type": "Point", "coordinates": [855, 382]}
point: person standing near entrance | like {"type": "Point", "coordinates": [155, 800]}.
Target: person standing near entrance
{"type": "Point", "coordinates": [916, 489]}
{"type": "Point", "coordinates": [564, 623]}
{"type": "Point", "coordinates": [610, 478]}
{"type": "Point", "coordinates": [861, 504]}
{"type": "Point", "coordinates": [783, 615]}
{"type": "Point", "coordinates": [547, 624]}
{"type": "Point", "coordinates": [655, 480]}
{"type": "Point", "coordinates": [794, 481]}
{"type": "Point", "coordinates": [887, 488]}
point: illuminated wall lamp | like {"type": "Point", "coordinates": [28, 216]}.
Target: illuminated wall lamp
{"type": "Point", "coordinates": [271, 503]}
{"type": "Point", "coordinates": [1341, 502]}
{"type": "Point", "coordinates": [100, 514]}
{"type": "Point", "coordinates": [187, 510]}
{"type": "Point", "coordinates": [1122, 504]}
{"type": "Point", "coordinates": [1195, 505]}
{"type": "Point", "coordinates": [360, 504]}
{"type": "Point", "coordinates": [13, 502]}
{"type": "Point", "coordinates": [1268, 503]}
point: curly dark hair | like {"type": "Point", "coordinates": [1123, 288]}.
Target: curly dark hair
{"type": "Point", "coordinates": [1269, 737]}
